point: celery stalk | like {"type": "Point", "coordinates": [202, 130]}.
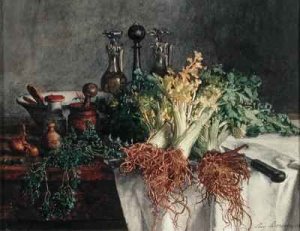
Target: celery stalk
{"type": "Point", "coordinates": [189, 137]}
{"type": "Point", "coordinates": [160, 138]}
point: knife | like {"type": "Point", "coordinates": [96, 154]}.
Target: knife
{"type": "Point", "coordinates": [274, 174]}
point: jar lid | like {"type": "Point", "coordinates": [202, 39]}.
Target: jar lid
{"type": "Point", "coordinates": [54, 98]}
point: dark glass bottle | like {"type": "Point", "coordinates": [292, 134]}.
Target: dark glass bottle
{"type": "Point", "coordinates": [113, 80]}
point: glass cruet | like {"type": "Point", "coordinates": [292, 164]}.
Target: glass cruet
{"type": "Point", "coordinates": [161, 52]}
{"type": "Point", "coordinates": [113, 80]}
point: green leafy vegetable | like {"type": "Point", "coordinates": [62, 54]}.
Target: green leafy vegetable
{"type": "Point", "coordinates": [75, 150]}
{"type": "Point", "coordinates": [240, 111]}
{"type": "Point", "coordinates": [123, 114]}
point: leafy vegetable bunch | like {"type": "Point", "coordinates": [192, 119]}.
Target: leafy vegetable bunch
{"type": "Point", "coordinates": [75, 150]}
{"type": "Point", "coordinates": [175, 110]}
{"type": "Point", "coordinates": [194, 111]}
{"type": "Point", "coordinates": [240, 111]}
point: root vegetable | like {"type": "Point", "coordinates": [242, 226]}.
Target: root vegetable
{"type": "Point", "coordinates": [222, 174]}
{"type": "Point", "coordinates": [17, 144]}
{"type": "Point", "coordinates": [165, 172]}
{"type": "Point", "coordinates": [31, 150]}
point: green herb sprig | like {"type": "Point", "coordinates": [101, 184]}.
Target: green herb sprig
{"type": "Point", "coordinates": [75, 150]}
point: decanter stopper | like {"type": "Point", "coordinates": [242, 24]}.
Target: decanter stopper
{"type": "Point", "coordinates": [136, 33]}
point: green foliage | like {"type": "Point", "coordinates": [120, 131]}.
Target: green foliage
{"type": "Point", "coordinates": [240, 96]}
{"type": "Point", "coordinates": [34, 180]}
{"type": "Point", "coordinates": [63, 201]}
{"type": "Point", "coordinates": [240, 110]}
{"type": "Point", "coordinates": [272, 123]}
{"type": "Point", "coordinates": [124, 119]}
{"type": "Point", "coordinates": [240, 104]}
{"type": "Point", "coordinates": [74, 151]}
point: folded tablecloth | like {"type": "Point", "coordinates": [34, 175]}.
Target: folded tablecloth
{"type": "Point", "coordinates": [272, 206]}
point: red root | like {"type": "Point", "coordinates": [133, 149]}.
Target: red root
{"type": "Point", "coordinates": [165, 172]}
{"type": "Point", "coordinates": [222, 174]}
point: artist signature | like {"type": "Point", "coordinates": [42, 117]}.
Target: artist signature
{"type": "Point", "coordinates": [275, 225]}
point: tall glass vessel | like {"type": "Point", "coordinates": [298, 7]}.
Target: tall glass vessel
{"type": "Point", "coordinates": [161, 53]}
{"type": "Point", "coordinates": [113, 80]}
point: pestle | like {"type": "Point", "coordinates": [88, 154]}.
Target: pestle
{"type": "Point", "coordinates": [35, 94]}
{"type": "Point", "coordinates": [80, 113]}
{"type": "Point", "coordinates": [89, 90]}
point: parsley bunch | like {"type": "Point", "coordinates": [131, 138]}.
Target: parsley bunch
{"type": "Point", "coordinates": [75, 150]}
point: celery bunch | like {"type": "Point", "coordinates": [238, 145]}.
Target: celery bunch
{"type": "Point", "coordinates": [174, 110]}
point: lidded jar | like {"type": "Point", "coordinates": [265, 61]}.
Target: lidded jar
{"type": "Point", "coordinates": [113, 80]}
{"type": "Point", "coordinates": [55, 113]}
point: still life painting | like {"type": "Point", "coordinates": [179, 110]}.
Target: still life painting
{"type": "Point", "coordinates": [149, 115]}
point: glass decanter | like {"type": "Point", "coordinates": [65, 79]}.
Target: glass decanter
{"type": "Point", "coordinates": [161, 52]}
{"type": "Point", "coordinates": [113, 80]}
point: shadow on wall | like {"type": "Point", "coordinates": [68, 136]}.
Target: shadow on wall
{"type": "Point", "coordinates": [259, 37]}
{"type": "Point", "coordinates": [58, 45]}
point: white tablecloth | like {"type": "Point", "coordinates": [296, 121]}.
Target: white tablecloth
{"type": "Point", "coordinates": [272, 206]}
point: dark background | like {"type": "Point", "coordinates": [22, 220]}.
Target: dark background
{"type": "Point", "coordinates": [58, 44]}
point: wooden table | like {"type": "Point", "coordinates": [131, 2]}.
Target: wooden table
{"type": "Point", "coordinates": [97, 207]}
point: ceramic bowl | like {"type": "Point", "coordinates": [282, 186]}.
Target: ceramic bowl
{"type": "Point", "coordinates": [38, 112]}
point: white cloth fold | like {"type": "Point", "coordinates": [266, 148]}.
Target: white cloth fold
{"type": "Point", "coordinates": [272, 206]}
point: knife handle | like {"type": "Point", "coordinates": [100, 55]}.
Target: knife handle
{"type": "Point", "coordinates": [274, 174]}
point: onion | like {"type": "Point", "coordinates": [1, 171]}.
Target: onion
{"type": "Point", "coordinates": [20, 145]}
{"type": "Point", "coordinates": [17, 144]}
{"type": "Point", "coordinates": [31, 150]}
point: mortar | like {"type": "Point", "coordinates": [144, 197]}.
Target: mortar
{"type": "Point", "coordinates": [38, 112]}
